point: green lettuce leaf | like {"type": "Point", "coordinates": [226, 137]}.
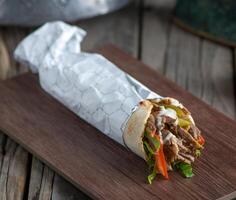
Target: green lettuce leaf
{"type": "Point", "coordinates": [148, 148]}
{"type": "Point", "coordinates": [151, 145]}
{"type": "Point", "coordinates": [156, 144]}
{"type": "Point", "coordinates": [149, 153]}
{"type": "Point", "coordinates": [185, 169]}
{"type": "Point", "coordinates": [152, 176]}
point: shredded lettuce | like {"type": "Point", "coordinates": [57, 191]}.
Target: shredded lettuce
{"type": "Point", "coordinates": [150, 162]}
{"type": "Point", "coordinates": [149, 149]}
{"type": "Point", "coordinates": [156, 144]}
{"type": "Point", "coordinates": [152, 176]}
{"type": "Point", "coordinates": [150, 152]}
{"type": "Point", "coordinates": [185, 169]}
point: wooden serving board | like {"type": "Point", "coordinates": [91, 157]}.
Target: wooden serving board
{"type": "Point", "coordinates": [99, 166]}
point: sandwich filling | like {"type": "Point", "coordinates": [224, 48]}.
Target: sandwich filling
{"type": "Point", "coordinates": [171, 139]}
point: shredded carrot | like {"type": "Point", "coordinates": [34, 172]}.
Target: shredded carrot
{"type": "Point", "coordinates": [160, 161]}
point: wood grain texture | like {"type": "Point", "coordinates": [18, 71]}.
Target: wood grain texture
{"type": "Point", "coordinates": [41, 181]}
{"type": "Point", "coordinates": [155, 32]}
{"type": "Point", "coordinates": [203, 68]}
{"type": "Point", "coordinates": [36, 175]}
{"type": "Point", "coordinates": [218, 87]}
{"type": "Point", "coordinates": [4, 58]}
{"type": "Point", "coordinates": [13, 170]}
{"type": "Point", "coordinates": [183, 60]}
{"type": "Point", "coordinates": [113, 172]}
{"type": "Point", "coordinates": [46, 184]}
{"type": "Point", "coordinates": [120, 28]}
{"type": "Point", "coordinates": [9, 38]}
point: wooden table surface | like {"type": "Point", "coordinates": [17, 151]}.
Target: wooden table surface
{"type": "Point", "coordinates": [145, 30]}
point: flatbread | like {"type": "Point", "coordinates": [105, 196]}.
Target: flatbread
{"type": "Point", "coordinates": [134, 130]}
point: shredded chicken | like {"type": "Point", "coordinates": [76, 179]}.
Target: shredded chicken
{"type": "Point", "coordinates": [150, 127]}
{"type": "Point", "coordinates": [180, 143]}
{"type": "Point", "coordinates": [188, 137]}
{"type": "Point", "coordinates": [194, 131]}
{"type": "Point", "coordinates": [183, 159]}
{"type": "Point", "coordinates": [187, 156]}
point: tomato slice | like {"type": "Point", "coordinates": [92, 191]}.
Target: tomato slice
{"type": "Point", "coordinates": [201, 140]}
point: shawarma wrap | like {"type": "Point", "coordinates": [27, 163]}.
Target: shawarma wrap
{"type": "Point", "coordinates": [162, 131]}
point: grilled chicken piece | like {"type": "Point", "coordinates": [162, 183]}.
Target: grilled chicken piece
{"type": "Point", "coordinates": [171, 151]}
{"type": "Point", "coordinates": [182, 148]}
{"type": "Point", "coordinates": [187, 156]}
{"type": "Point", "coordinates": [151, 127]}
{"type": "Point", "coordinates": [168, 120]}
{"type": "Point", "coordinates": [183, 159]}
{"type": "Point", "coordinates": [171, 148]}
{"type": "Point", "coordinates": [186, 136]}
{"type": "Point", "coordinates": [194, 131]}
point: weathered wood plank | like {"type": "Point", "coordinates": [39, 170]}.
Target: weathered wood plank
{"type": "Point", "coordinates": [120, 28]}
{"type": "Point", "coordinates": [13, 166]}
{"type": "Point", "coordinates": [36, 176]}
{"type": "Point", "coordinates": [4, 59]}
{"type": "Point", "coordinates": [17, 174]}
{"type": "Point", "coordinates": [63, 190]}
{"type": "Point", "coordinates": [2, 150]}
{"type": "Point", "coordinates": [156, 24]}
{"type": "Point", "coordinates": [183, 60]}
{"type": "Point", "coordinates": [13, 171]}
{"type": "Point", "coordinates": [46, 184]}
{"type": "Point", "coordinates": [14, 159]}
{"type": "Point", "coordinates": [203, 68]}
{"type": "Point", "coordinates": [218, 77]}
{"type": "Point", "coordinates": [10, 38]}
{"type": "Point", "coordinates": [41, 181]}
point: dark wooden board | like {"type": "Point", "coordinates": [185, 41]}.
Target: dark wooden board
{"type": "Point", "coordinates": [99, 166]}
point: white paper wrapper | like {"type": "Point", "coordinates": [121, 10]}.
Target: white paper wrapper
{"type": "Point", "coordinates": [88, 84]}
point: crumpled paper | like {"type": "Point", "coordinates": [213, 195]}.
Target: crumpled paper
{"type": "Point", "coordinates": [86, 83]}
